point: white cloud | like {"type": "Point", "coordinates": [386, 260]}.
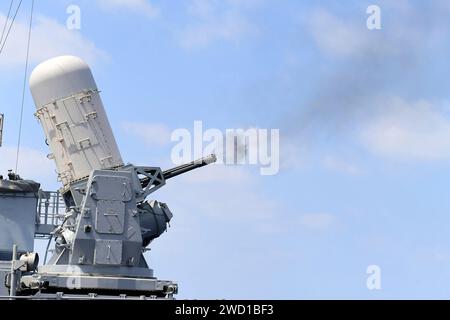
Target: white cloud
{"type": "Point", "coordinates": [33, 165]}
{"type": "Point", "coordinates": [414, 131]}
{"type": "Point", "coordinates": [231, 195]}
{"type": "Point", "coordinates": [339, 165]}
{"type": "Point", "coordinates": [317, 221]}
{"type": "Point", "coordinates": [48, 39]}
{"type": "Point", "coordinates": [376, 64]}
{"type": "Point", "coordinates": [228, 195]}
{"type": "Point", "coordinates": [403, 31]}
{"type": "Point", "coordinates": [137, 6]}
{"type": "Point", "coordinates": [294, 153]}
{"type": "Point", "coordinates": [151, 133]}
{"type": "Point", "coordinates": [336, 35]}
{"type": "Point", "coordinates": [213, 21]}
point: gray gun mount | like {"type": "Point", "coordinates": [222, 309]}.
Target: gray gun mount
{"type": "Point", "coordinates": [101, 221]}
{"type": "Point", "coordinates": [106, 230]}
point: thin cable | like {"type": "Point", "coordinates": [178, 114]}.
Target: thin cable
{"type": "Point", "coordinates": [6, 20]}
{"type": "Point", "coordinates": [10, 26]}
{"type": "Point", "coordinates": [24, 84]}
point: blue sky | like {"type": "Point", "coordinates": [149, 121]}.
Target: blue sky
{"type": "Point", "coordinates": [364, 119]}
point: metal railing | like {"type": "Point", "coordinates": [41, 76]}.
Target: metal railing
{"type": "Point", "coordinates": [50, 210]}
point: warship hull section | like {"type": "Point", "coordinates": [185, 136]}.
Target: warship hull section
{"type": "Point", "coordinates": [18, 202]}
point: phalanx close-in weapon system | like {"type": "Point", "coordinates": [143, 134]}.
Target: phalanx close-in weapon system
{"type": "Point", "coordinates": [100, 220]}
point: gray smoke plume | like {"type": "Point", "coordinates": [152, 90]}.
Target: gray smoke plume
{"type": "Point", "coordinates": [368, 66]}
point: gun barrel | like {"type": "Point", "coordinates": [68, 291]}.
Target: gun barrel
{"type": "Point", "coordinates": [170, 173]}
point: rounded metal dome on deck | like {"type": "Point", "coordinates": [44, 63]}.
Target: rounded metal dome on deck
{"type": "Point", "coordinates": [59, 78]}
{"type": "Point", "coordinates": [74, 120]}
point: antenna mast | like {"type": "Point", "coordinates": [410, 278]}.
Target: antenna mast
{"type": "Point", "coordinates": [2, 117]}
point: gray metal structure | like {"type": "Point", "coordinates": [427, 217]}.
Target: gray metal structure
{"type": "Point", "coordinates": [100, 223]}
{"type": "Point", "coordinates": [2, 117]}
